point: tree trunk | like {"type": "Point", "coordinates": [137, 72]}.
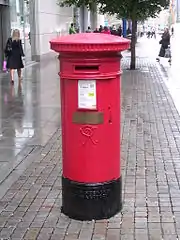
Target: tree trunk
{"type": "Point", "coordinates": [133, 46]}
{"type": "Point", "coordinates": [76, 18]}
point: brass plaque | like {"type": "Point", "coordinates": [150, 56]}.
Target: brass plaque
{"type": "Point", "coordinates": [88, 118]}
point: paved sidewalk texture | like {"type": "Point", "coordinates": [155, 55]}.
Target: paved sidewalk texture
{"type": "Point", "coordinates": [29, 116]}
{"type": "Point", "coordinates": [150, 147]}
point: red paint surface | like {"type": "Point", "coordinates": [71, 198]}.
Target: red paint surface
{"type": "Point", "coordinates": [106, 31]}
{"type": "Point", "coordinates": [89, 42]}
{"type": "Point", "coordinates": [91, 153]}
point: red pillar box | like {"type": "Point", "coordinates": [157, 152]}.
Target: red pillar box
{"type": "Point", "coordinates": [90, 107]}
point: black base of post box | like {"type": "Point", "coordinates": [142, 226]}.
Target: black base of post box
{"type": "Point", "coordinates": [86, 202]}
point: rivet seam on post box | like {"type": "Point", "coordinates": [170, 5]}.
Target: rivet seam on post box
{"type": "Point", "coordinates": [91, 77]}
{"type": "Point", "coordinates": [88, 118]}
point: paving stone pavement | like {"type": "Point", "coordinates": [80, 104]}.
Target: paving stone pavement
{"type": "Point", "coordinates": [29, 115]}
{"type": "Point", "coordinates": [150, 148]}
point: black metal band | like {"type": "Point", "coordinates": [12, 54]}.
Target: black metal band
{"type": "Point", "coordinates": [91, 201]}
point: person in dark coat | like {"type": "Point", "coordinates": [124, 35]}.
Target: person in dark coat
{"type": "Point", "coordinates": [120, 31]}
{"type": "Point", "coordinates": [96, 30]}
{"type": "Point", "coordinates": [165, 42]}
{"type": "Point", "coordinates": [129, 31]}
{"type": "Point", "coordinates": [89, 30]}
{"type": "Point", "coordinates": [14, 53]}
{"type": "Point", "coordinates": [106, 30]}
{"type": "Point", "coordinates": [101, 28]}
{"type": "Point", "coordinates": [172, 31]}
{"type": "Point", "coordinates": [114, 31]}
{"type": "Point", "coordinates": [29, 36]}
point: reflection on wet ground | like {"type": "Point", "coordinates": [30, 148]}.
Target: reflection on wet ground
{"type": "Point", "coordinates": [29, 113]}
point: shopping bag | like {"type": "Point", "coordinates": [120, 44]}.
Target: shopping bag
{"type": "Point", "coordinates": [168, 53]}
{"type": "Point", "coordinates": [4, 66]}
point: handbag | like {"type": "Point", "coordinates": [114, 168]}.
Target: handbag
{"type": "Point", "coordinates": [4, 65]}
{"type": "Point", "coordinates": [167, 52]}
{"type": "Point", "coordinates": [8, 49]}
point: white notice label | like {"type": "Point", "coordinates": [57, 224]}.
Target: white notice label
{"type": "Point", "coordinates": [87, 94]}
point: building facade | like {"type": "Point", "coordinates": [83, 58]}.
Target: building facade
{"type": "Point", "coordinates": [4, 27]}
{"type": "Point", "coordinates": [175, 11]}
{"type": "Point", "coordinates": [175, 17]}
{"type": "Point", "coordinates": [83, 18]}
{"type": "Point", "coordinates": [38, 21]}
{"type": "Point", "coordinates": [175, 6]}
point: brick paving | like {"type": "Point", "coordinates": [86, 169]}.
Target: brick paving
{"type": "Point", "coordinates": [30, 209]}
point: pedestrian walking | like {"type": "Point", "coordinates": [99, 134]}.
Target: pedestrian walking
{"type": "Point", "coordinates": [114, 31]}
{"type": "Point", "coordinates": [96, 30]}
{"type": "Point", "coordinates": [165, 46]}
{"type": "Point", "coordinates": [72, 29]}
{"type": "Point", "coordinates": [172, 31]}
{"type": "Point", "coordinates": [106, 30]}
{"type": "Point", "coordinates": [129, 31]}
{"type": "Point", "coordinates": [100, 28]}
{"type": "Point", "coordinates": [14, 53]}
{"type": "Point", "coordinates": [153, 33]}
{"type": "Point", "coordinates": [88, 30]}
{"type": "Point", "coordinates": [149, 34]}
{"type": "Point", "coordinates": [29, 36]}
{"type": "Point", "coordinates": [120, 31]}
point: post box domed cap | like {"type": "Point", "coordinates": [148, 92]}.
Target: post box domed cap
{"type": "Point", "coordinates": [89, 42]}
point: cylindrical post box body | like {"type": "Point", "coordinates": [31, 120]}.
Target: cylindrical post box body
{"type": "Point", "coordinates": [90, 99]}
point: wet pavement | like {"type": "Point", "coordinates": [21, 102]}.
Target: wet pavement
{"type": "Point", "coordinates": [150, 146]}
{"type": "Point", "coordinates": [29, 114]}
{"type": "Point", "coordinates": [149, 48]}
